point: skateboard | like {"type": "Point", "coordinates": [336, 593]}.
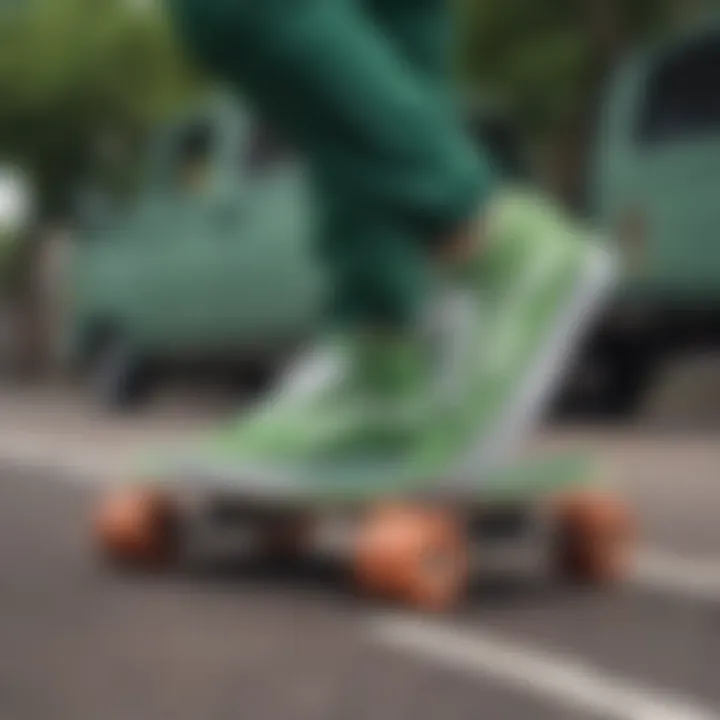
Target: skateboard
{"type": "Point", "coordinates": [408, 544]}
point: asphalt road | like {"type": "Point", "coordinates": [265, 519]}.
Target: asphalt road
{"type": "Point", "coordinates": [236, 639]}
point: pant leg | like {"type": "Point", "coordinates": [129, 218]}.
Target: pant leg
{"type": "Point", "coordinates": [422, 31]}
{"type": "Point", "coordinates": [379, 274]}
{"type": "Point", "coordinates": [386, 154]}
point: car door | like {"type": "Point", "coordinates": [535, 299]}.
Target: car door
{"type": "Point", "coordinates": [268, 280]}
{"type": "Point", "coordinates": [672, 193]}
{"type": "Point", "coordinates": [180, 266]}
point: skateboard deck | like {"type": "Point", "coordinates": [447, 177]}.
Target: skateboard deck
{"type": "Point", "coordinates": [405, 542]}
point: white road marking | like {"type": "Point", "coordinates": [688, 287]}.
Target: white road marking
{"type": "Point", "coordinates": [562, 679]}
{"type": "Point", "coordinates": [695, 578]}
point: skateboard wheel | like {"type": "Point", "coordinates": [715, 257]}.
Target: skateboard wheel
{"type": "Point", "coordinates": [413, 555]}
{"type": "Point", "coordinates": [138, 528]}
{"type": "Point", "coordinates": [594, 541]}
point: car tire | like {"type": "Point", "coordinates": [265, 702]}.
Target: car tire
{"type": "Point", "coordinates": [253, 378]}
{"type": "Point", "coordinates": [118, 377]}
{"type": "Point", "coordinates": [628, 384]}
{"type": "Point", "coordinates": [621, 381]}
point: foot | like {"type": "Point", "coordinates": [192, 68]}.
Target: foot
{"type": "Point", "coordinates": [340, 409]}
{"type": "Point", "coordinates": [440, 401]}
{"type": "Point", "coordinates": [537, 280]}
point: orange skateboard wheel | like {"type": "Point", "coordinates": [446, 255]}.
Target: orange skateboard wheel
{"type": "Point", "coordinates": [595, 538]}
{"type": "Point", "coordinates": [138, 528]}
{"type": "Point", "coordinates": [414, 555]}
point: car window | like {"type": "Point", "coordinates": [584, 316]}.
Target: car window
{"type": "Point", "coordinates": [682, 98]}
{"type": "Point", "coordinates": [191, 157]}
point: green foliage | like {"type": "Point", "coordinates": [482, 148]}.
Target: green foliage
{"type": "Point", "coordinates": [74, 73]}
{"type": "Point", "coordinates": [545, 57]}
{"type": "Point", "coordinates": [79, 75]}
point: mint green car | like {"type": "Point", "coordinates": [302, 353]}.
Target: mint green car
{"type": "Point", "coordinates": [656, 187]}
{"type": "Point", "coordinates": [211, 263]}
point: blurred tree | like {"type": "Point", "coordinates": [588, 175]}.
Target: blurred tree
{"type": "Point", "coordinates": [548, 60]}
{"type": "Point", "coordinates": [81, 81]}
{"type": "Point", "coordinates": [79, 76]}
{"type": "Point", "coordinates": [545, 57]}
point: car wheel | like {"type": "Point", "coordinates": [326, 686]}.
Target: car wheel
{"type": "Point", "coordinates": [611, 386]}
{"type": "Point", "coordinates": [253, 378]}
{"type": "Point", "coordinates": [629, 381]}
{"type": "Point", "coordinates": [119, 378]}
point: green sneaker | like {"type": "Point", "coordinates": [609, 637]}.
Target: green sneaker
{"type": "Point", "coordinates": [452, 398]}
{"type": "Point", "coordinates": [533, 290]}
{"type": "Point", "coordinates": [342, 407]}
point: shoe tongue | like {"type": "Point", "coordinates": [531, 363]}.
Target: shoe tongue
{"type": "Point", "coordinates": [512, 226]}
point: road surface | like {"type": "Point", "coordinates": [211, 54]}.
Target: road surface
{"type": "Point", "coordinates": [240, 640]}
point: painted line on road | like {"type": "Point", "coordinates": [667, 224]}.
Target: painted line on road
{"type": "Point", "coordinates": [562, 679]}
{"type": "Point", "coordinates": [694, 578]}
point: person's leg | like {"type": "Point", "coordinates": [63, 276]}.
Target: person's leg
{"type": "Point", "coordinates": [400, 177]}
{"type": "Point", "coordinates": [391, 164]}
{"type": "Point", "coordinates": [421, 30]}
{"type": "Point", "coordinates": [419, 33]}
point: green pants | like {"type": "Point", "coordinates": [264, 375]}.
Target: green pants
{"type": "Point", "coordinates": [362, 88]}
